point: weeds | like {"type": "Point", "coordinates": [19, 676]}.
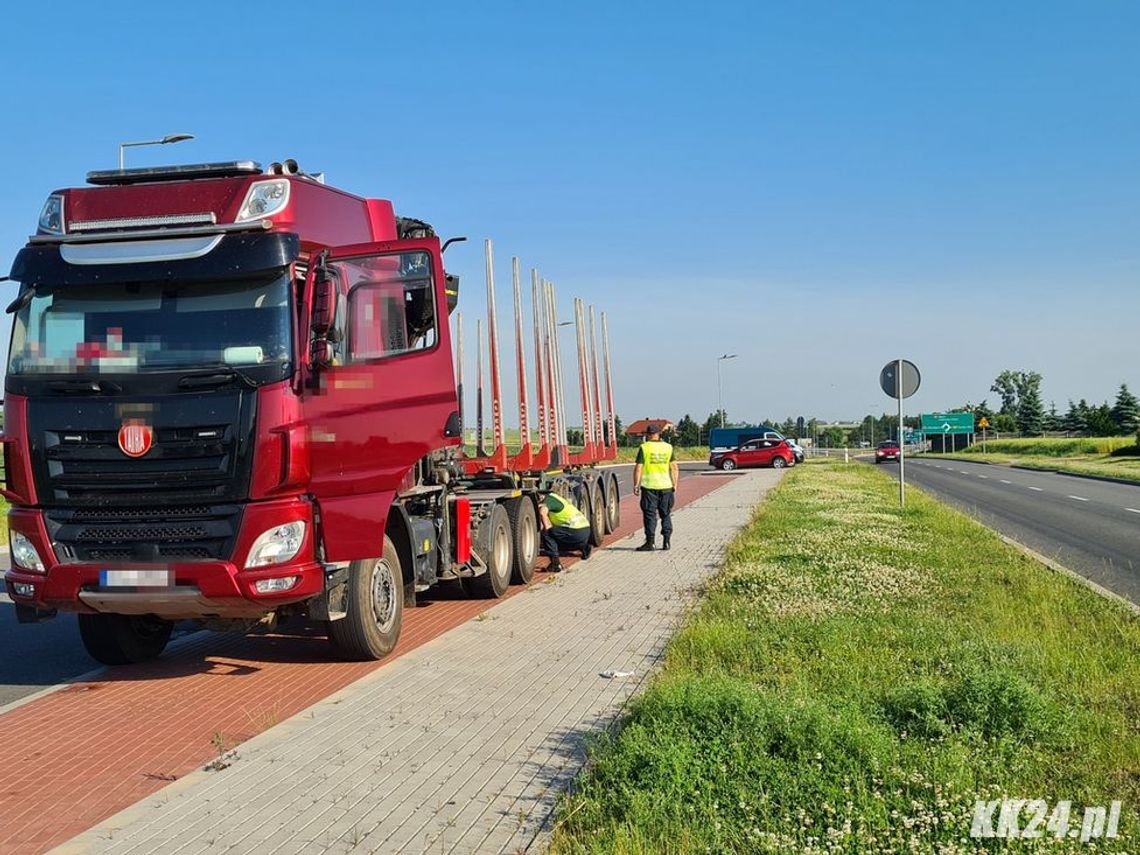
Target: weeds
{"type": "Point", "coordinates": [856, 678]}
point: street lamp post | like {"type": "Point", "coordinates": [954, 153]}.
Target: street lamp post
{"type": "Point", "coordinates": [719, 387]}
{"type": "Point", "coordinates": [166, 140]}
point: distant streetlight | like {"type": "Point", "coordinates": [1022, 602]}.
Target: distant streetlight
{"type": "Point", "coordinates": [719, 388]}
{"type": "Point", "coordinates": [166, 140]}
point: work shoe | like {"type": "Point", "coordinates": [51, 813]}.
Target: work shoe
{"type": "Point", "coordinates": [586, 550]}
{"type": "Point", "coordinates": [554, 567]}
{"type": "Point", "coordinates": [665, 542]}
{"type": "Point", "coordinates": [646, 547]}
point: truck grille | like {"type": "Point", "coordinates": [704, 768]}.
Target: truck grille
{"type": "Point", "coordinates": [87, 467]}
{"type": "Point", "coordinates": [136, 535]}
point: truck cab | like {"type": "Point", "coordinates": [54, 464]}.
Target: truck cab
{"type": "Point", "coordinates": [219, 380]}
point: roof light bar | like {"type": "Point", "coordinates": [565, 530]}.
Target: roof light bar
{"type": "Point", "coordinates": [139, 175]}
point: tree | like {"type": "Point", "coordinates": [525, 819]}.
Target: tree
{"type": "Point", "coordinates": [711, 423]}
{"type": "Point", "coordinates": [833, 437]}
{"type": "Point", "coordinates": [1100, 420]}
{"type": "Point", "coordinates": [1126, 411]}
{"type": "Point", "coordinates": [1030, 409]}
{"type": "Point", "coordinates": [1005, 384]}
{"type": "Point", "coordinates": [983, 411]}
{"type": "Point", "coordinates": [1073, 421]}
{"type": "Point", "coordinates": [618, 429]}
{"type": "Point", "coordinates": [1005, 423]}
{"type": "Point", "coordinates": [687, 432]}
{"type": "Point", "coordinates": [1052, 420]}
{"type": "Point", "coordinates": [575, 437]}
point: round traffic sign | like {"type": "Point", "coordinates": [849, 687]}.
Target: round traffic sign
{"type": "Point", "coordinates": [911, 379]}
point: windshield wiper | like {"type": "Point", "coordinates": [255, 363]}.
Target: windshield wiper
{"type": "Point", "coordinates": [85, 384]}
{"type": "Point", "coordinates": [216, 375]}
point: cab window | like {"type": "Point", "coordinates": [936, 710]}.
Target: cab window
{"type": "Point", "coordinates": [391, 305]}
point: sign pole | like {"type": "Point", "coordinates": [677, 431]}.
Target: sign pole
{"type": "Point", "coordinates": [902, 445]}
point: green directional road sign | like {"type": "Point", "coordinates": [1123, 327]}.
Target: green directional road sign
{"type": "Point", "coordinates": [947, 423]}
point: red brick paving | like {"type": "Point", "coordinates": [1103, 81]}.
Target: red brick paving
{"type": "Point", "coordinates": [79, 755]}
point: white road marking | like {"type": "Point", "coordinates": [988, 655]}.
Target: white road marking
{"type": "Point", "coordinates": [1133, 510]}
{"type": "Point", "coordinates": [1079, 498]}
{"type": "Point", "coordinates": [983, 476]}
{"type": "Point", "coordinates": [1038, 489]}
{"type": "Point", "coordinates": [963, 472]}
{"type": "Point", "coordinates": [1006, 482]}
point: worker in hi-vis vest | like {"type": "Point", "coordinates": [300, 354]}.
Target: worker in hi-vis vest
{"type": "Point", "coordinates": [564, 529]}
{"type": "Point", "coordinates": [656, 476]}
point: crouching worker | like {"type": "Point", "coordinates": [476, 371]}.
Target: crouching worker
{"type": "Point", "coordinates": [564, 529]}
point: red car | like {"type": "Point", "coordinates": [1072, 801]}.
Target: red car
{"type": "Point", "coordinates": [756, 452]}
{"type": "Point", "coordinates": [888, 450]}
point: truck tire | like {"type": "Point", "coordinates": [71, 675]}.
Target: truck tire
{"type": "Point", "coordinates": [493, 542]}
{"type": "Point", "coordinates": [124, 639]}
{"type": "Point", "coordinates": [613, 504]}
{"type": "Point", "coordinates": [524, 539]}
{"type": "Point", "coordinates": [597, 514]}
{"type": "Point", "coordinates": [374, 606]}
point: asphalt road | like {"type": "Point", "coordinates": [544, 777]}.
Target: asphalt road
{"type": "Point", "coordinates": [38, 656]}
{"type": "Point", "coordinates": [1092, 527]}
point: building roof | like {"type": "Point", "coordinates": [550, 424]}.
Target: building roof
{"type": "Point", "coordinates": [642, 425]}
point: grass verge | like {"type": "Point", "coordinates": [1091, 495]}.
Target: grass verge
{"type": "Point", "coordinates": [855, 678]}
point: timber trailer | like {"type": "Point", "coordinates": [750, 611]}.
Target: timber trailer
{"type": "Point", "coordinates": [233, 396]}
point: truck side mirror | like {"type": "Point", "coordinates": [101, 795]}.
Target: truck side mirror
{"type": "Point", "coordinates": [322, 353]}
{"type": "Point", "coordinates": [324, 303]}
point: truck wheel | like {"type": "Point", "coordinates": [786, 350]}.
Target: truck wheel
{"type": "Point", "coordinates": [494, 545]}
{"type": "Point", "coordinates": [597, 514]}
{"type": "Point", "coordinates": [524, 539]}
{"type": "Point", "coordinates": [124, 639]}
{"type": "Point", "coordinates": [728, 464]}
{"type": "Point", "coordinates": [374, 606]}
{"type": "Point", "coordinates": [613, 505]}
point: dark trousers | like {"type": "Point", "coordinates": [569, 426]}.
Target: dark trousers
{"type": "Point", "coordinates": [559, 539]}
{"type": "Point", "coordinates": [654, 504]}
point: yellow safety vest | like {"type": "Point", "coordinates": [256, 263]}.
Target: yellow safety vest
{"type": "Point", "coordinates": [568, 516]}
{"type": "Point", "coordinates": [655, 460]}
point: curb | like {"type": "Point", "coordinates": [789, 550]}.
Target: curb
{"type": "Point", "coordinates": [1072, 574]}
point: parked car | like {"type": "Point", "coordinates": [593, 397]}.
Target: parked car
{"type": "Point", "coordinates": [888, 450]}
{"type": "Point", "coordinates": [756, 452]}
{"type": "Point", "coordinates": [796, 449]}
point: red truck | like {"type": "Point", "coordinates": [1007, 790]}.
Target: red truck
{"type": "Point", "coordinates": [231, 397]}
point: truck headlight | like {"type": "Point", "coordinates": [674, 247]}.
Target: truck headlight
{"type": "Point", "coordinates": [264, 199]}
{"type": "Point", "coordinates": [24, 554]}
{"type": "Point", "coordinates": [275, 546]}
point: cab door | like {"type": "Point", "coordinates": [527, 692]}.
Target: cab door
{"type": "Point", "coordinates": [380, 384]}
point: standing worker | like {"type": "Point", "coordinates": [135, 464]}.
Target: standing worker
{"type": "Point", "coordinates": [656, 476]}
{"type": "Point", "coordinates": [564, 527]}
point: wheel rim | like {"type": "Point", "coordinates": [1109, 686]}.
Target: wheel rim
{"type": "Point", "coordinates": [598, 512]}
{"type": "Point", "coordinates": [383, 595]}
{"type": "Point", "coordinates": [728, 464]}
{"type": "Point", "coordinates": [779, 463]}
{"type": "Point", "coordinates": [501, 550]}
{"type": "Point", "coordinates": [529, 540]}
{"type": "Point", "coordinates": [611, 503]}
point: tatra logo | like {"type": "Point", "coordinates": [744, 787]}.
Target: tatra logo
{"type": "Point", "coordinates": [135, 438]}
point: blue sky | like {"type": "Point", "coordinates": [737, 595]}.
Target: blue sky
{"type": "Point", "coordinates": [817, 187]}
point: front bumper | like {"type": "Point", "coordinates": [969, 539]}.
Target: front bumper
{"type": "Point", "coordinates": [200, 589]}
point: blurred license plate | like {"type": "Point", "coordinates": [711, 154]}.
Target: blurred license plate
{"type": "Point", "coordinates": [134, 578]}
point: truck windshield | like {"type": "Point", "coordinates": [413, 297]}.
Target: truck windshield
{"type": "Point", "coordinates": [128, 327]}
